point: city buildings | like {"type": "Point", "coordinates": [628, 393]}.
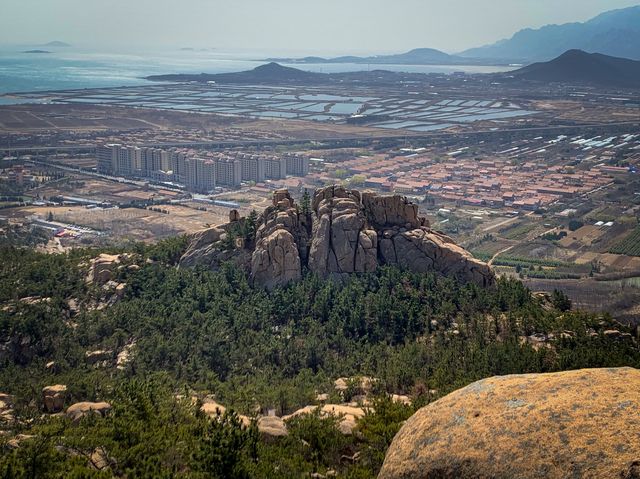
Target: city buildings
{"type": "Point", "coordinates": [198, 171]}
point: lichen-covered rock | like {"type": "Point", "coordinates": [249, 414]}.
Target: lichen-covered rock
{"type": "Point", "coordinates": [53, 398]}
{"type": "Point", "coordinates": [77, 411]}
{"type": "Point", "coordinates": [583, 423]}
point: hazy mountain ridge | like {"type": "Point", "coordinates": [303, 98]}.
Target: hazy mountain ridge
{"type": "Point", "coordinates": [56, 43]}
{"type": "Point", "coordinates": [615, 33]}
{"type": "Point", "coordinates": [417, 56]}
{"type": "Point", "coordinates": [577, 66]}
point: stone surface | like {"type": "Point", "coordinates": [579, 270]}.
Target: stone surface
{"type": "Point", "coordinates": [583, 423]}
{"type": "Point", "coordinates": [93, 357]}
{"type": "Point", "coordinates": [348, 415]}
{"type": "Point", "coordinates": [53, 398]}
{"type": "Point", "coordinates": [341, 241]}
{"type": "Point", "coordinates": [272, 427]}
{"type": "Point", "coordinates": [101, 268]}
{"type": "Point", "coordinates": [77, 411]}
{"type": "Point", "coordinates": [345, 232]}
{"type": "Point", "coordinates": [276, 259]}
{"type": "Point", "coordinates": [212, 408]}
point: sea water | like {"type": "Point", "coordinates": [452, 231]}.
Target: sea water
{"type": "Point", "coordinates": [72, 68]}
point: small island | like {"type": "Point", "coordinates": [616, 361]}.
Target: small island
{"type": "Point", "coordinates": [36, 51]}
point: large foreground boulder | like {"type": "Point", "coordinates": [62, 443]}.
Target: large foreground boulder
{"type": "Point", "coordinates": [576, 424]}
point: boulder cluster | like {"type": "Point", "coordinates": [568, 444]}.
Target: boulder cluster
{"type": "Point", "coordinates": [347, 412]}
{"type": "Point", "coordinates": [338, 233]}
{"type": "Point", "coordinates": [54, 398]}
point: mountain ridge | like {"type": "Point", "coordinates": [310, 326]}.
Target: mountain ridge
{"type": "Point", "coordinates": [614, 33]}
{"type": "Point", "coordinates": [577, 66]}
{"type": "Point", "coordinates": [416, 56]}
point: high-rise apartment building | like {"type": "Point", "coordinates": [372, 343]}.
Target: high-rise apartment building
{"type": "Point", "coordinates": [275, 168]}
{"type": "Point", "coordinates": [297, 165]}
{"type": "Point", "coordinates": [228, 171]}
{"type": "Point", "coordinates": [253, 168]}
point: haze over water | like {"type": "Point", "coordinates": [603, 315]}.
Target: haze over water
{"type": "Point", "coordinates": [71, 68]}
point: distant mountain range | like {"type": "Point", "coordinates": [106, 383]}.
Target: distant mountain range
{"type": "Point", "coordinates": [418, 56]}
{"type": "Point", "coordinates": [574, 66]}
{"type": "Point", "coordinates": [56, 43]}
{"type": "Point", "coordinates": [577, 67]}
{"type": "Point", "coordinates": [615, 33]}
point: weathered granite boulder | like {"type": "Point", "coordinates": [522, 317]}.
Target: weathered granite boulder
{"type": "Point", "coordinates": [386, 211]}
{"type": "Point", "coordinates": [341, 242]}
{"type": "Point", "coordinates": [276, 257]}
{"type": "Point", "coordinates": [422, 250]}
{"type": "Point", "coordinates": [202, 247]}
{"type": "Point", "coordinates": [208, 248]}
{"type": "Point", "coordinates": [102, 268]}
{"type": "Point", "coordinates": [53, 398]}
{"type": "Point", "coordinates": [77, 411]}
{"type": "Point", "coordinates": [272, 427]}
{"type": "Point", "coordinates": [583, 423]}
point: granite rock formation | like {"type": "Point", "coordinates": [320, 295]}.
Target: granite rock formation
{"type": "Point", "coordinates": [276, 259]}
{"type": "Point", "coordinates": [77, 411]}
{"type": "Point", "coordinates": [341, 232]}
{"type": "Point", "coordinates": [583, 423]}
{"type": "Point", "coordinates": [53, 398]}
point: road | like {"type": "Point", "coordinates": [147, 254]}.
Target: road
{"type": "Point", "coordinates": [334, 142]}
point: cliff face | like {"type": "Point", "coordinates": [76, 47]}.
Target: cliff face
{"type": "Point", "coordinates": [343, 232]}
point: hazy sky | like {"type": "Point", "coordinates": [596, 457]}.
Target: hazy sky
{"type": "Point", "coordinates": [316, 26]}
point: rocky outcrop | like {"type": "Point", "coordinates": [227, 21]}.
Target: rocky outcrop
{"type": "Point", "coordinates": [203, 248]}
{"type": "Point", "coordinates": [53, 398]}
{"type": "Point", "coordinates": [280, 243]}
{"type": "Point", "coordinates": [423, 250]}
{"type": "Point", "coordinates": [582, 423]}
{"type": "Point", "coordinates": [347, 415]}
{"type": "Point", "coordinates": [342, 241]}
{"type": "Point", "coordinates": [6, 409]}
{"type": "Point", "coordinates": [98, 356]}
{"type": "Point", "coordinates": [343, 232]}
{"type": "Point", "coordinates": [102, 268]}
{"type": "Point", "coordinates": [79, 410]}
{"type": "Point", "coordinates": [272, 427]}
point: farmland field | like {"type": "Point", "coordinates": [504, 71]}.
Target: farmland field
{"type": "Point", "coordinates": [629, 245]}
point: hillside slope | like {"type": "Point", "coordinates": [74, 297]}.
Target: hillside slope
{"type": "Point", "coordinates": [576, 66]}
{"type": "Point", "coordinates": [615, 33]}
